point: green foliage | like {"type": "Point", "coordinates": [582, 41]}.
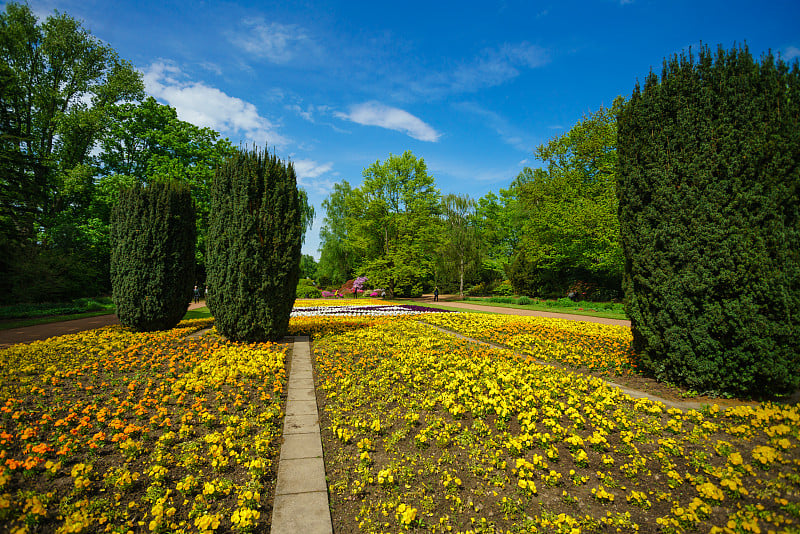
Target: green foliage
{"type": "Point", "coordinates": [308, 267]}
{"type": "Point", "coordinates": [570, 228]}
{"type": "Point", "coordinates": [307, 290]}
{"type": "Point", "coordinates": [524, 301]}
{"type": "Point", "coordinates": [710, 222]}
{"type": "Point", "coordinates": [152, 255]}
{"type": "Point", "coordinates": [396, 224]}
{"type": "Point", "coordinates": [460, 251]}
{"type": "Point", "coordinates": [504, 288]}
{"type": "Point", "coordinates": [337, 260]}
{"type": "Point", "coordinates": [81, 305]}
{"type": "Point", "coordinates": [57, 85]}
{"type": "Point", "coordinates": [253, 246]}
{"type": "Point", "coordinates": [146, 139]}
{"type": "Point", "coordinates": [387, 229]}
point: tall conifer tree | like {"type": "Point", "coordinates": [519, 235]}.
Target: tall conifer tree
{"type": "Point", "coordinates": [709, 207]}
{"type": "Point", "coordinates": [152, 255]}
{"type": "Point", "coordinates": [253, 246]}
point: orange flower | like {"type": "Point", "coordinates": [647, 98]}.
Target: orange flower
{"type": "Point", "coordinates": [13, 464]}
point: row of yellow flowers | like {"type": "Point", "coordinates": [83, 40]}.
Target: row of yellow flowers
{"type": "Point", "coordinates": [582, 345]}
{"type": "Point", "coordinates": [433, 433]}
{"type": "Point", "coordinates": [115, 431]}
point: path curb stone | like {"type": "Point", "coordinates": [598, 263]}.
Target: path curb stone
{"type": "Point", "coordinates": [301, 493]}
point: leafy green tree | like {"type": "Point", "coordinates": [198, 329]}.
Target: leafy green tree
{"type": "Point", "coordinates": [308, 267]}
{"type": "Point", "coordinates": [710, 222]}
{"type": "Point", "coordinates": [58, 85]}
{"type": "Point", "coordinates": [146, 139]}
{"type": "Point", "coordinates": [152, 255]}
{"type": "Point", "coordinates": [461, 250]}
{"type": "Point", "coordinates": [499, 222]}
{"type": "Point", "coordinates": [570, 228]}
{"type": "Point", "coordinates": [337, 259]}
{"type": "Point", "coordinates": [395, 224]}
{"type": "Point", "coordinates": [253, 246]}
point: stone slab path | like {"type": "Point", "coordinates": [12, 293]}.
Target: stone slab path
{"type": "Point", "coordinates": [301, 493]}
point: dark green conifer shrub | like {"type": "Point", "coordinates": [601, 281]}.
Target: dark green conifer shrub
{"type": "Point", "coordinates": [253, 246]}
{"type": "Point", "coordinates": [709, 179]}
{"type": "Point", "coordinates": [152, 255]}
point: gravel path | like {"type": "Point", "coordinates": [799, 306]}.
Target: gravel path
{"type": "Point", "coordinates": [27, 334]}
{"type": "Point", "coordinates": [428, 299]}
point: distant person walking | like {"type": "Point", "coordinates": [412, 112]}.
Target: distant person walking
{"type": "Point", "coordinates": [436, 294]}
{"type": "Point", "coordinates": [196, 294]}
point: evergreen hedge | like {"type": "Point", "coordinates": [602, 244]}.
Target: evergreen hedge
{"type": "Point", "coordinates": [709, 169]}
{"type": "Point", "coordinates": [152, 255]}
{"type": "Point", "coordinates": [253, 246]}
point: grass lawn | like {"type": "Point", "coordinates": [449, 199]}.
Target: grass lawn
{"type": "Point", "coordinates": [555, 308]}
{"type": "Point", "coordinates": [199, 313]}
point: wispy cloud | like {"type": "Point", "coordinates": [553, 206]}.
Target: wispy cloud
{"type": "Point", "coordinates": [790, 53]}
{"type": "Point", "coordinates": [314, 176]}
{"type": "Point", "coordinates": [510, 134]}
{"type": "Point", "coordinates": [275, 42]}
{"type": "Point", "coordinates": [377, 114]}
{"type": "Point", "coordinates": [207, 106]}
{"type": "Point", "coordinates": [492, 67]}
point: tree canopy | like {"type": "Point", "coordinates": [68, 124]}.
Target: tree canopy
{"type": "Point", "coordinates": [386, 229]}
{"type": "Point", "coordinates": [569, 220]}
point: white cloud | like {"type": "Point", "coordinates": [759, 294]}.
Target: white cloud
{"type": "Point", "coordinates": [377, 114]}
{"type": "Point", "coordinates": [311, 175]}
{"type": "Point", "coordinates": [310, 169]}
{"type": "Point", "coordinates": [275, 42]}
{"type": "Point", "coordinates": [790, 53]}
{"type": "Point", "coordinates": [207, 106]}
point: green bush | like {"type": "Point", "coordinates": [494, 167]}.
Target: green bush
{"type": "Point", "coordinates": [503, 300]}
{"type": "Point", "coordinates": [524, 301]}
{"type": "Point", "coordinates": [307, 292]}
{"type": "Point", "coordinates": [82, 305]}
{"type": "Point", "coordinates": [710, 222]}
{"type": "Point", "coordinates": [504, 288]}
{"type": "Point", "coordinates": [152, 255]}
{"type": "Point", "coordinates": [253, 246]}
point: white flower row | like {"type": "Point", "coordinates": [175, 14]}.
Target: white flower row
{"type": "Point", "coordinates": [353, 311]}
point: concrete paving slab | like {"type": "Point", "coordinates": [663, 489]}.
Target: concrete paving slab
{"type": "Point", "coordinates": [305, 513]}
{"type": "Point", "coordinates": [301, 383]}
{"type": "Point", "coordinates": [300, 393]}
{"type": "Point", "coordinates": [301, 375]}
{"type": "Point", "coordinates": [301, 446]}
{"type": "Point", "coordinates": [301, 492]}
{"type": "Point", "coordinates": [300, 424]}
{"type": "Point", "coordinates": [301, 407]}
{"type": "Point", "coordinates": [300, 475]}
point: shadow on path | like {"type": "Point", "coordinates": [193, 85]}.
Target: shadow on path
{"type": "Point", "coordinates": [27, 334]}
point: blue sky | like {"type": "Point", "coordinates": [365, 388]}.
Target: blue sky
{"type": "Point", "coordinates": [471, 87]}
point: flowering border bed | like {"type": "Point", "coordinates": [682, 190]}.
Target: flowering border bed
{"type": "Point", "coordinates": [374, 310]}
{"type": "Point", "coordinates": [424, 432]}
{"type": "Point", "coordinates": [114, 431]}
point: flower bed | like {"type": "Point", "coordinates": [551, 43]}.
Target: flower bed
{"type": "Point", "coordinates": [109, 430]}
{"type": "Point", "coordinates": [425, 432]}
{"type": "Point", "coordinates": [374, 310]}
{"type": "Point", "coordinates": [582, 345]}
{"type": "Point", "coordinates": [310, 303]}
